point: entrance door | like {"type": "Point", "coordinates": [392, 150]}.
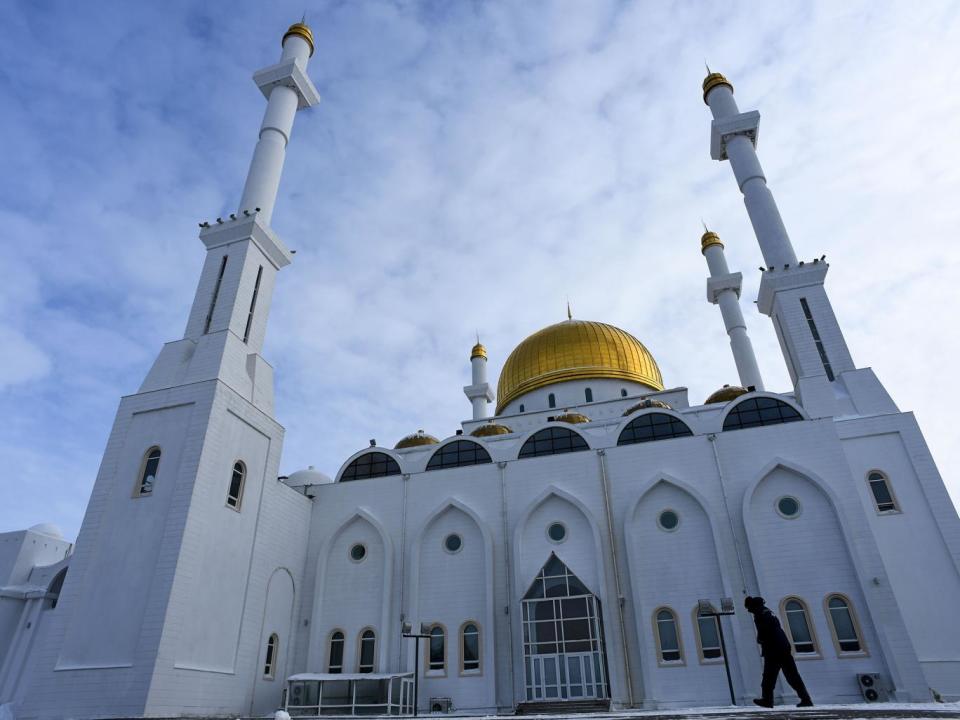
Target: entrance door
{"type": "Point", "coordinates": [564, 656]}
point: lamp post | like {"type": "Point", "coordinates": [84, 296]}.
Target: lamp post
{"type": "Point", "coordinates": [406, 630]}
{"type": "Point", "coordinates": [705, 608]}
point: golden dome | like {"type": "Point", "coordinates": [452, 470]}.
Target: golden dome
{"type": "Point", "coordinates": [646, 404]}
{"type": "Point", "coordinates": [575, 350]}
{"type": "Point", "coordinates": [714, 80]}
{"type": "Point", "coordinates": [491, 428]}
{"type": "Point", "coordinates": [415, 440]}
{"type": "Point", "coordinates": [709, 238]}
{"type": "Point", "coordinates": [572, 418]}
{"type": "Point", "coordinates": [300, 29]}
{"type": "Point", "coordinates": [478, 351]}
{"type": "Point", "coordinates": [726, 394]}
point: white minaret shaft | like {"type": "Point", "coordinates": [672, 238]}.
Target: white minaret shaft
{"type": "Point", "coordinates": [287, 89]}
{"type": "Point", "coordinates": [723, 289]}
{"type": "Point", "coordinates": [734, 138]}
{"type": "Point", "coordinates": [478, 392]}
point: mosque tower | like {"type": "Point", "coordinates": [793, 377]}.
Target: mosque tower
{"type": "Point", "coordinates": [189, 478]}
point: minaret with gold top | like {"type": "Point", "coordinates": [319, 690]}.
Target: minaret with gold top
{"type": "Point", "coordinates": [478, 392]}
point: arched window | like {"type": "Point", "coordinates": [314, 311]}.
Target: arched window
{"type": "Point", "coordinates": [469, 648]}
{"type": "Point", "coordinates": [799, 628]}
{"type": "Point", "coordinates": [148, 472]}
{"type": "Point", "coordinates": [669, 651]}
{"type": "Point", "coordinates": [623, 392]}
{"type": "Point", "coordinates": [370, 465]}
{"type": "Point", "coordinates": [368, 647]}
{"type": "Point", "coordinates": [335, 664]}
{"type": "Point", "coordinates": [270, 663]}
{"type": "Point", "coordinates": [843, 625]}
{"type": "Point", "coordinates": [551, 441]}
{"type": "Point", "coordinates": [588, 394]}
{"type": "Point", "coordinates": [237, 479]}
{"type": "Point", "coordinates": [552, 400]}
{"type": "Point", "coordinates": [437, 651]}
{"type": "Point", "coordinates": [757, 411]}
{"type": "Point", "coordinates": [521, 407]}
{"type": "Point", "coordinates": [458, 454]}
{"type": "Point", "coordinates": [653, 426]}
{"type": "Point", "coordinates": [882, 492]}
{"type": "Point", "coordinates": [708, 636]}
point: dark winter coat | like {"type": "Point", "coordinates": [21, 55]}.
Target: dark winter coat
{"type": "Point", "coordinates": [771, 637]}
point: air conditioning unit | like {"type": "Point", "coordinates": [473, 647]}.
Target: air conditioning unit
{"type": "Point", "coordinates": [441, 705]}
{"type": "Point", "coordinates": [870, 687]}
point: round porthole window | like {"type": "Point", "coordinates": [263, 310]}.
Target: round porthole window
{"type": "Point", "coordinates": [557, 532]}
{"type": "Point", "coordinates": [668, 520]}
{"type": "Point", "coordinates": [788, 507]}
{"type": "Point", "coordinates": [358, 552]}
{"type": "Point", "coordinates": [452, 543]}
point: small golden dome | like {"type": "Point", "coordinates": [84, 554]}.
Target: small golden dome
{"type": "Point", "coordinates": [300, 29]}
{"type": "Point", "coordinates": [575, 350]}
{"type": "Point", "coordinates": [478, 351]}
{"type": "Point", "coordinates": [714, 80]}
{"type": "Point", "coordinates": [490, 429]}
{"type": "Point", "coordinates": [573, 418]}
{"type": "Point", "coordinates": [643, 404]}
{"type": "Point", "coordinates": [709, 238]}
{"type": "Point", "coordinates": [726, 394]}
{"type": "Point", "coordinates": [415, 440]}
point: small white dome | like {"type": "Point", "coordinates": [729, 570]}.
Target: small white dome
{"type": "Point", "coordinates": [305, 478]}
{"type": "Point", "coordinates": [47, 529]}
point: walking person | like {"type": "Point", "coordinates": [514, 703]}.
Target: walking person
{"type": "Point", "coordinates": [777, 655]}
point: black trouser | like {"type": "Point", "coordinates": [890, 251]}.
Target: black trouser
{"type": "Point", "coordinates": [772, 665]}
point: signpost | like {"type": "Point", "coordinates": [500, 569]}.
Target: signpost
{"type": "Point", "coordinates": [705, 608]}
{"type": "Point", "coordinates": [407, 631]}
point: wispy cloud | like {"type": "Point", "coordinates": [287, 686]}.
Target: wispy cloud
{"type": "Point", "coordinates": [470, 167]}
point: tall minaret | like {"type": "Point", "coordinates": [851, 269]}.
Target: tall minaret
{"type": "Point", "coordinates": [723, 289]}
{"type": "Point", "coordinates": [174, 581]}
{"type": "Point", "coordinates": [478, 392]}
{"type": "Point", "coordinates": [791, 292]}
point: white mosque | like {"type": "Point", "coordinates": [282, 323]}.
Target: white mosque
{"type": "Point", "coordinates": [552, 554]}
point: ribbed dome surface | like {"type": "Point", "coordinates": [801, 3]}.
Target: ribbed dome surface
{"type": "Point", "coordinates": [575, 350]}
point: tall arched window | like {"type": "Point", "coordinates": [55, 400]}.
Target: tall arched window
{"type": "Point", "coordinates": [882, 492]}
{"type": "Point", "coordinates": [843, 625]}
{"type": "Point", "coordinates": [552, 440]}
{"type": "Point", "coordinates": [237, 480]}
{"type": "Point", "coordinates": [335, 656]}
{"type": "Point", "coordinates": [458, 454]}
{"type": "Point", "coordinates": [437, 651]}
{"type": "Point", "coordinates": [623, 392]}
{"type": "Point", "coordinates": [799, 628]}
{"type": "Point", "coordinates": [368, 648]}
{"type": "Point", "coordinates": [270, 663]}
{"type": "Point", "coordinates": [653, 426]}
{"type": "Point", "coordinates": [588, 394]}
{"type": "Point", "coordinates": [757, 411]}
{"type": "Point", "coordinates": [669, 651]}
{"type": "Point", "coordinates": [552, 400]}
{"type": "Point", "coordinates": [708, 636]}
{"type": "Point", "coordinates": [148, 471]}
{"type": "Point", "coordinates": [370, 465]}
{"type": "Point", "coordinates": [469, 648]}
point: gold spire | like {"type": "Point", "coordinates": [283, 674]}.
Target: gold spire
{"type": "Point", "coordinates": [709, 238]}
{"type": "Point", "coordinates": [713, 80]}
{"type": "Point", "coordinates": [478, 351]}
{"type": "Point", "coordinates": [300, 29]}
{"type": "Point", "coordinates": [569, 314]}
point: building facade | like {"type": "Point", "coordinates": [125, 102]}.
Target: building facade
{"type": "Point", "coordinates": [552, 551]}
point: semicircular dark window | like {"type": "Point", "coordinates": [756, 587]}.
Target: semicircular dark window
{"type": "Point", "coordinates": [370, 465]}
{"type": "Point", "coordinates": [653, 426]}
{"type": "Point", "coordinates": [551, 441]}
{"type": "Point", "coordinates": [757, 411]}
{"type": "Point", "coordinates": [458, 454]}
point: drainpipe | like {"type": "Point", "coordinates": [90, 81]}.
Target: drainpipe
{"type": "Point", "coordinates": [726, 508]}
{"type": "Point", "coordinates": [501, 466]}
{"type": "Point", "coordinates": [403, 565]}
{"type": "Point", "coordinates": [605, 483]}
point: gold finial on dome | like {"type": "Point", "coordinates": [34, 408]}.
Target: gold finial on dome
{"type": "Point", "coordinates": [300, 29]}
{"type": "Point", "coordinates": [645, 404]}
{"type": "Point", "coordinates": [489, 429]}
{"type": "Point", "coordinates": [709, 238]}
{"type": "Point", "coordinates": [415, 440]}
{"type": "Point", "coordinates": [713, 80]}
{"type": "Point", "coordinates": [572, 418]}
{"type": "Point", "coordinates": [478, 351]}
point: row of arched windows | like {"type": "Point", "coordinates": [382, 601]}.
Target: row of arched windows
{"type": "Point", "coordinates": [366, 655]}
{"type": "Point", "coordinates": [436, 649]}
{"type": "Point", "coordinates": [150, 465]}
{"type": "Point", "coordinates": [795, 615]}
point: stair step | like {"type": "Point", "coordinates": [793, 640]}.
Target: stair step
{"type": "Point", "coordinates": [563, 707]}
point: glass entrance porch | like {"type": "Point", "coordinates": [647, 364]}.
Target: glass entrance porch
{"type": "Point", "coordinates": [564, 656]}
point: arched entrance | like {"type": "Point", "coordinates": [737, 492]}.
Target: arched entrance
{"type": "Point", "coordinates": [563, 649]}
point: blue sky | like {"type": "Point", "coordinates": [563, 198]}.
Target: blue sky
{"type": "Point", "coordinates": [471, 165]}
